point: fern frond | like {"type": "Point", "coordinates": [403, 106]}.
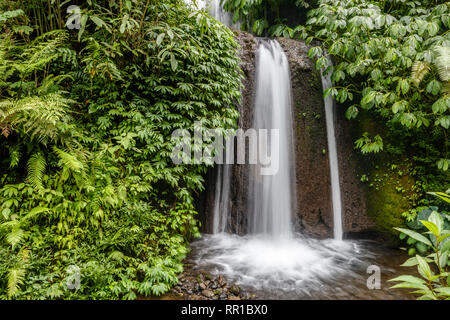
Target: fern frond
{"type": "Point", "coordinates": [40, 117]}
{"type": "Point", "coordinates": [33, 213]}
{"type": "Point", "coordinates": [70, 161]}
{"type": "Point", "coordinates": [14, 155]}
{"type": "Point", "coordinates": [49, 82]}
{"type": "Point", "coordinates": [36, 169]}
{"type": "Point", "coordinates": [442, 62]}
{"type": "Point", "coordinates": [117, 255]}
{"type": "Point", "coordinates": [15, 279]}
{"type": "Point", "coordinates": [15, 236]}
{"type": "Point", "coordinates": [418, 71]}
{"type": "Point", "coordinates": [42, 51]}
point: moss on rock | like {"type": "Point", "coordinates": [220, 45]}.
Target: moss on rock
{"type": "Point", "coordinates": [387, 198]}
{"type": "Point", "coordinates": [390, 186]}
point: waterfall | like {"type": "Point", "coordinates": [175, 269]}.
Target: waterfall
{"type": "Point", "coordinates": [216, 10]}
{"type": "Point", "coordinates": [332, 155]}
{"type": "Point", "coordinates": [271, 198]}
{"type": "Point", "coordinates": [272, 258]}
{"type": "Point", "coordinates": [222, 204]}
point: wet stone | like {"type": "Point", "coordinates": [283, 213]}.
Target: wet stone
{"type": "Point", "coordinates": [208, 293]}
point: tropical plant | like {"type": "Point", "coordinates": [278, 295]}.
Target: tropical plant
{"type": "Point", "coordinates": [413, 222]}
{"type": "Point", "coordinates": [434, 284]}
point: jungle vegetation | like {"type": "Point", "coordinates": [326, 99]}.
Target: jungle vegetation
{"type": "Point", "coordinates": [86, 117]}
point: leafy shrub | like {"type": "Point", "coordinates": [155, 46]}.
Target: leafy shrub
{"type": "Point", "coordinates": [86, 118]}
{"type": "Point", "coordinates": [435, 284]}
{"type": "Point", "coordinates": [414, 223]}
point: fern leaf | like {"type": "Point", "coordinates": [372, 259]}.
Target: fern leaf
{"type": "Point", "coordinates": [68, 160]}
{"type": "Point", "coordinates": [36, 169]}
{"type": "Point", "coordinates": [419, 70]}
{"type": "Point", "coordinates": [117, 255]}
{"type": "Point", "coordinates": [14, 154]}
{"type": "Point", "coordinates": [443, 62]}
{"type": "Point", "coordinates": [32, 214]}
{"type": "Point", "coordinates": [15, 279]}
{"type": "Point", "coordinates": [15, 236]}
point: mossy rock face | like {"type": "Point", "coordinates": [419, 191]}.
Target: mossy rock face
{"type": "Point", "coordinates": [388, 198]}
{"type": "Point", "coordinates": [390, 189]}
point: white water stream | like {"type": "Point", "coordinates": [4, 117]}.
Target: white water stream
{"type": "Point", "coordinates": [216, 10]}
{"type": "Point", "coordinates": [271, 198]}
{"type": "Point", "coordinates": [333, 159]}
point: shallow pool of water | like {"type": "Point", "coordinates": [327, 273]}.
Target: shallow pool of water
{"type": "Point", "coordinates": [299, 267]}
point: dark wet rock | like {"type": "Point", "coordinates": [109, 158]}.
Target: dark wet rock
{"type": "Point", "coordinates": [314, 205]}
{"type": "Point", "coordinates": [208, 293]}
{"type": "Point", "coordinates": [221, 280]}
{"type": "Point", "coordinates": [235, 290]}
{"type": "Point", "coordinates": [314, 208]}
{"type": "Point", "coordinates": [314, 202]}
{"type": "Point", "coordinates": [197, 284]}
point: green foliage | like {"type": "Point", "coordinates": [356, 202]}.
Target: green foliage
{"type": "Point", "coordinates": [86, 118]}
{"type": "Point", "coordinates": [268, 16]}
{"type": "Point", "coordinates": [391, 57]}
{"type": "Point", "coordinates": [414, 220]}
{"type": "Point", "coordinates": [367, 145]}
{"type": "Point", "coordinates": [432, 286]}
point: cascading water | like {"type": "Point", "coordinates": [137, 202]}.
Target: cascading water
{"type": "Point", "coordinates": [271, 255]}
{"type": "Point", "coordinates": [216, 10]}
{"type": "Point", "coordinates": [222, 203]}
{"type": "Point", "coordinates": [272, 260]}
{"type": "Point", "coordinates": [332, 156]}
{"type": "Point", "coordinates": [271, 197]}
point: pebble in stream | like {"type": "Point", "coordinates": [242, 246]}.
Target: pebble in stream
{"type": "Point", "coordinates": [201, 285]}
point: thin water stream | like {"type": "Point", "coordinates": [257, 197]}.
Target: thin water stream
{"type": "Point", "coordinates": [333, 159]}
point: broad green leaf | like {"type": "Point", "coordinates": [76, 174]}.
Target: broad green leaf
{"type": "Point", "coordinates": [426, 297]}
{"type": "Point", "coordinates": [443, 259]}
{"type": "Point", "coordinates": [443, 196]}
{"type": "Point", "coordinates": [445, 246]}
{"type": "Point", "coordinates": [351, 112]}
{"type": "Point", "coordinates": [444, 235]}
{"type": "Point", "coordinates": [436, 218]}
{"type": "Point", "coordinates": [83, 21]}
{"type": "Point", "coordinates": [443, 291]}
{"type": "Point", "coordinates": [160, 38]}
{"type": "Point", "coordinates": [173, 62]}
{"type": "Point", "coordinates": [423, 267]}
{"type": "Point", "coordinates": [411, 285]}
{"type": "Point", "coordinates": [410, 262]}
{"type": "Point", "coordinates": [415, 235]}
{"type": "Point", "coordinates": [408, 278]}
{"type": "Point", "coordinates": [431, 227]}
